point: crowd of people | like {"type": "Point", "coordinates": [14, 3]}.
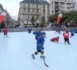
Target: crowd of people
{"type": "Point", "coordinates": [40, 35]}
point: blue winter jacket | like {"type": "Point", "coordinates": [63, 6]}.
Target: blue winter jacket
{"type": "Point", "coordinates": [37, 34]}
{"type": "Point", "coordinates": [40, 43]}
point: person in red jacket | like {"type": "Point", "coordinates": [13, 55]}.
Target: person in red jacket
{"type": "Point", "coordinates": [5, 32]}
{"type": "Point", "coordinates": [55, 39]}
{"type": "Point", "coordinates": [66, 37]}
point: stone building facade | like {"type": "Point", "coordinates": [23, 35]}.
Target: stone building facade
{"type": "Point", "coordinates": [33, 8]}
{"type": "Point", "coordinates": [61, 6]}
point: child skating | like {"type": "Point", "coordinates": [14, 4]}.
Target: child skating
{"type": "Point", "coordinates": [40, 45]}
{"type": "Point", "coordinates": [5, 31]}
{"type": "Point", "coordinates": [66, 37]}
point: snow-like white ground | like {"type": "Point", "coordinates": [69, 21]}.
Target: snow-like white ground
{"type": "Point", "coordinates": [16, 50]}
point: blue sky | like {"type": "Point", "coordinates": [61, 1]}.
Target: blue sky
{"type": "Point", "coordinates": [12, 6]}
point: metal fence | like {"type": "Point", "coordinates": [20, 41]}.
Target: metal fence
{"type": "Point", "coordinates": [33, 29]}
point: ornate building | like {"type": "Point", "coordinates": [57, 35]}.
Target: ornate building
{"type": "Point", "coordinates": [33, 8]}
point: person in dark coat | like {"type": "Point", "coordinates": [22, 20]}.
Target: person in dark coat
{"type": "Point", "coordinates": [29, 28]}
{"type": "Point", "coordinates": [72, 33]}
{"type": "Point", "coordinates": [40, 45]}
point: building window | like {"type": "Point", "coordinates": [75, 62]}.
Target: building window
{"type": "Point", "coordinates": [28, 9]}
{"type": "Point", "coordinates": [33, 10]}
{"type": "Point", "coordinates": [48, 6]}
{"type": "Point", "coordinates": [28, 5]}
{"type": "Point", "coordinates": [52, 11]}
{"type": "Point", "coordinates": [43, 10]}
{"type": "Point", "coordinates": [37, 6]}
{"type": "Point", "coordinates": [43, 6]}
{"type": "Point", "coordinates": [56, 11]}
{"type": "Point", "coordinates": [37, 10]}
{"type": "Point", "coordinates": [48, 11]}
{"type": "Point", "coordinates": [52, 2]}
{"type": "Point", "coordinates": [24, 9]}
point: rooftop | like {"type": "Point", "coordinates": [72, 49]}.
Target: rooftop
{"type": "Point", "coordinates": [34, 1]}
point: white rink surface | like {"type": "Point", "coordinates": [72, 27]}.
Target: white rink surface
{"type": "Point", "coordinates": [16, 50]}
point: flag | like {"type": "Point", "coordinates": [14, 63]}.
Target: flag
{"type": "Point", "coordinates": [2, 16]}
{"type": "Point", "coordinates": [59, 18]}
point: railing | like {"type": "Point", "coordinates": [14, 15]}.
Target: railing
{"type": "Point", "coordinates": [33, 29]}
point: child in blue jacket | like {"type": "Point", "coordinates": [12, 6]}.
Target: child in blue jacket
{"type": "Point", "coordinates": [40, 45]}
